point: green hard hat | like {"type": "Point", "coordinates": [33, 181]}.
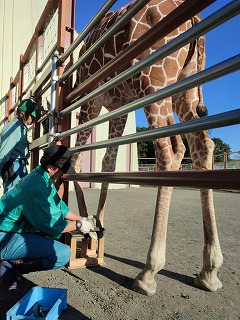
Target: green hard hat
{"type": "Point", "coordinates": [29, 106]}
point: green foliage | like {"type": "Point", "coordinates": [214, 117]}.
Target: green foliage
{"type": "Point", "coordinates": [146, 148]}
{"type": "Point", "coordinates": [220, 149]}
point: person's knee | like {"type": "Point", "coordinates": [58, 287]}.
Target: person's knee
{"type": "Point", "coordinates": [58, 258]}
{"type": "Point", "coordinates": [64, 256]}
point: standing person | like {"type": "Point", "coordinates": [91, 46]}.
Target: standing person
{"type": "Point", "coordinates": [14, 149]}
{"type": "Point", "coordinates": [32, 216]}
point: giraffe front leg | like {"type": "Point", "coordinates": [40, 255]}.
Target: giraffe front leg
{"type": "Point", "coordinates": [145, 282]}
{"type": "Point", "coordinates": [116, 128]}
{"type": "Point", "coordinates": [76, 167]}
{"type": "Point", "coordinates": [80, 200]}
{"type": "Point", "coordinates": [102, 201]}
{"type": "Point", "coordinates": [212, 255]}
{"type": "Point", "coordinates": [108, 165]}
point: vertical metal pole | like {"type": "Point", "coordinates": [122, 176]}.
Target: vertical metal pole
{"type": "Point", "coordinates": [53, 98]}
{"type": "Point", "coordinates": [225, 159]}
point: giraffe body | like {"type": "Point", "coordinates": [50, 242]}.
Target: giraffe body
{"type": "Point", "coordinates": [169, 151]}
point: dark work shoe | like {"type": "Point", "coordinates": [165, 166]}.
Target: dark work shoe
{"type": "Point", "coordinates": [8, 277]}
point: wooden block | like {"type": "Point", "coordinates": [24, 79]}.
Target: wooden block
{"type": "Point", "coordinates": [86, 252]}
{"type": "Point", "coordinates": [85, 262]}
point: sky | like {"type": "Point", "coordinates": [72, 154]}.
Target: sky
{"type": "Point", "coordinates": [220, 95]}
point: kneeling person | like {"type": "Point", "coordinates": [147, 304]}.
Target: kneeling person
{"type": "Point", "coordinates": [32, 216]}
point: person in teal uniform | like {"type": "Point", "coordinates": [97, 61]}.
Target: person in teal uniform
{"type": "Point", "coordinates": [14, 151]}
{"type": "Point", "coordinates": [33, 217]}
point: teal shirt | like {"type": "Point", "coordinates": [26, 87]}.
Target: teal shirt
{"type": "Point", "coordinates": [33, 205]}
{"type": "Point", "coordinates": [14, 142]}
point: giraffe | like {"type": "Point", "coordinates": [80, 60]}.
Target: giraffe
{"type": "Point", "coordinates": [169, 151]}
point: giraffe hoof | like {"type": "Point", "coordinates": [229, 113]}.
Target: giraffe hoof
{"type": "Point", "coordinates": [147, 290]}
{"type": "Point", "coordinates": [208, 285]}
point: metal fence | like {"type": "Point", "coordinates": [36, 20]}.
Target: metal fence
{"type": "Point", "coordinates": [148, 164]}
{"type": "Point", "coordinates": [61, 104]}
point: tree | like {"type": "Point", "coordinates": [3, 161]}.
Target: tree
{"type": "Point", "coordinates": [220, 149]}
{"type": "Point", "coordinates": [145, 148]}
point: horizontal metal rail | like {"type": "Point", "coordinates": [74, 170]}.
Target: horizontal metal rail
{"type": "Point", "coordinates": [45, 116]}
{"type": "Point", "coordinates": [178, 16]}
{"type": "Point", "coordinates": [95, 20]}
{"type": "Point", "coordinates": [211, 122]}
{"type": "Point", "coordinates": [223, 68]}
{"type": "Point", "coordinates": [39, 142]}
{"type": "Point", "coordinates": [216, 121]}
{"type": "Point", "coordinates": [111, 31]}
{"type": "Point", "coordinates": [210, 179]}
{"type": "Point", "coordinates": [201, 28]}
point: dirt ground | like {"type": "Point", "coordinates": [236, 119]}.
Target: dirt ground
{"type": "Point", "coordinates": [104, 292]}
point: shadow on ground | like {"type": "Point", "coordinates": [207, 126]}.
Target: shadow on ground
{"type": "Point", "coordinates": [127, 282]}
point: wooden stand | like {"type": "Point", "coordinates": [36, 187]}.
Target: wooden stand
{"type": "Point", "coordinates": [86, 252]}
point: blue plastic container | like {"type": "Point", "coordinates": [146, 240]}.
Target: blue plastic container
{"type": "Point", "coordinates": [39, 303]}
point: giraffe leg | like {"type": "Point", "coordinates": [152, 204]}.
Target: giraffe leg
{"type": "Point", "coordinates": [102, 201]}
{"type": "Point", "coordinates": [212, 255]}
{"type": "Point", "coordinates": [78, 190]}
{"type": "Point", "coordinates": [202, 147]}
{"type": "Point", "coordinates": [169, 153]}
{"type": "Point", "coordinates": [167, 159]}
{"type": "Point", "coordinates": [88, 112]}
{"type": "Point", "coordinates": [116, 128]}
{"type": "Point", "coordinates": [76, 167]}
{"type": "Point", "coordinates": [187, 106]}
{"type": "Point", "coordinates": [80, 200]}
{"type": "Point", "coordinates": [144, 282]}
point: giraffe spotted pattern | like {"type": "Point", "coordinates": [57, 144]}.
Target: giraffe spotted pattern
{"type": "Point", "coordinates": [170, 150]}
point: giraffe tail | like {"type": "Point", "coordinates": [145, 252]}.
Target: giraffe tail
{"type": "Point", "coordinates": [202, 110]}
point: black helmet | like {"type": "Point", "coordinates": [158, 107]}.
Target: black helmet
{"type": "Point", "coordinates": [58, 156]}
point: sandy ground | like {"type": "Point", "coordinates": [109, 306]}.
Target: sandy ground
{"type": "Point", "coordinates": [104, 292]}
